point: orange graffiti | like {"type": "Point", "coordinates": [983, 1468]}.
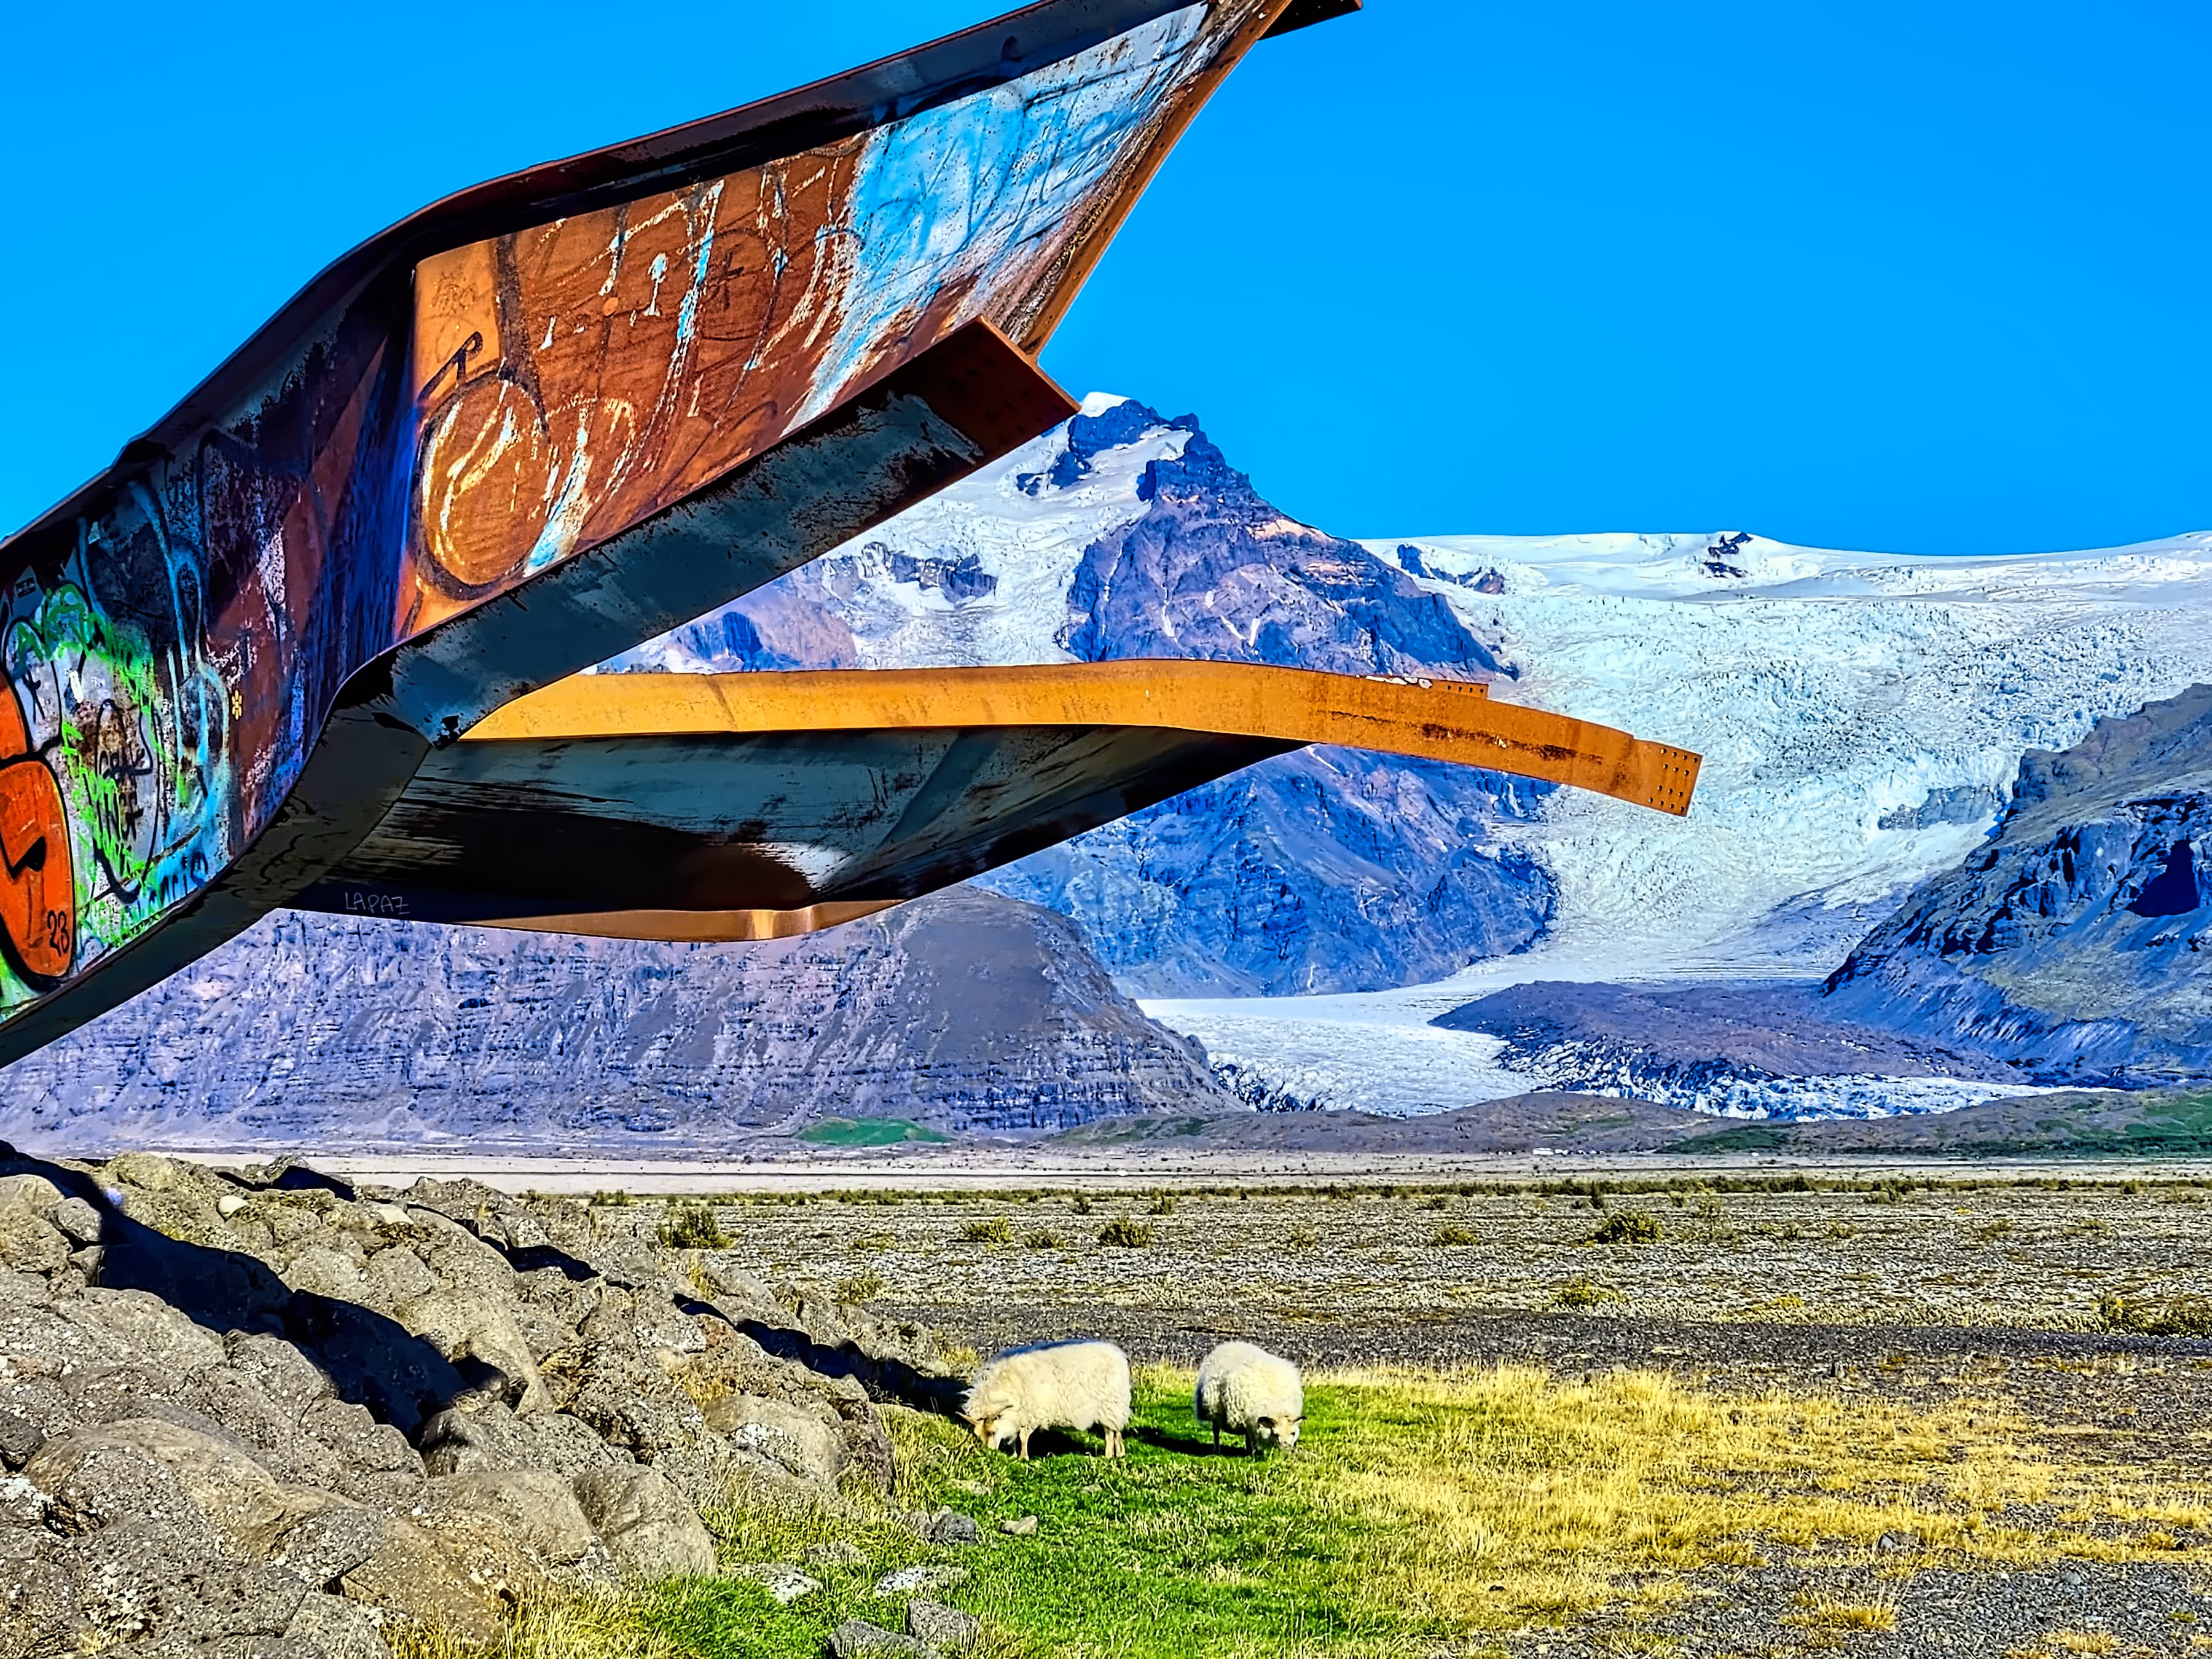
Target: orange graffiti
{"type": "Point", "coordinates": [38, 884]}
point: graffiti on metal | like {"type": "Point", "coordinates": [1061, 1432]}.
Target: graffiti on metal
{"type": "Point", "coordinates": [574, 378]}
{"type": "Point", "coordinates": [479, 415]}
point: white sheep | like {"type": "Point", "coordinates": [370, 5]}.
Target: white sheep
{"type": "Point", "coordinates": [1057, 1385]}
{"type": "Point", "coordinates": [1248, 1390]}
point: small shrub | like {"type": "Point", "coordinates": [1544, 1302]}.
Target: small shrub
{"type": "Point", "coordinates": [2173, 1316]}
{"type": "Point", "coordinates": [1162, 1204]}
{"type": "Point", "coordinates": [1042, 1239]}
{"type": "Point", "coordinates": [1127, 1232]}
{"type": "Point", "coordinates": [694, 1227]}
{"type": "Point", "coordinates": [860, 1287]}
{"type": "Point", "coordinates": [617, 1200]}
{"type": "Point", "coordinates": [1584, 1292]}
{"type": "Point", "coordinates": [1303, 1238]}
{"type": "Point", "coordinates": [1629, 1227]}
{"type": "Point", "coordinates": [1833, 1615]}
{"type": "Point", "coordinates": [1444, 1236]}
{"type": "Point", "coordinates": [997, 1231]}
{"type": "Point", "coordinates": [1990, 1231]}
{"type": "Point", "coordinates": [1436, 1203]}
{"type": "Point", "coordinates": [1082, 1205]}
{"type": "Point", "coordinates": [2085, 1641]}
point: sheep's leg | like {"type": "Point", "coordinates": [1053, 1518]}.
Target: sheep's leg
{"type": "Point", "coordinates": [1217, 1436]}
{"type": "Point", "coordinates": [1025, 1445]}
{"type": "Point", "coordinates": [1114, 1446]}
{"type": "Point", "coordinates": [1251, 1443]}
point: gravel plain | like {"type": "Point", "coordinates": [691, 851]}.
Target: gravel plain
{"type": "Point", "coordinates": [1924, 1288]}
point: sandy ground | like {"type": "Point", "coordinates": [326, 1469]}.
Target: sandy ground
{"type": "Point", "coordinates": [984, 1169]}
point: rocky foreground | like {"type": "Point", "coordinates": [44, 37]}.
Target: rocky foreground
{"type": "Point", "coordinates": [273, 1416]}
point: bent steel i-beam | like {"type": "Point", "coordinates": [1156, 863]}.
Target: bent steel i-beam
{"type": "Point", "coordinates": [539, 423]}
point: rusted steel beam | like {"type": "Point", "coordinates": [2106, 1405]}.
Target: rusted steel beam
{"type": "Point", "coordinates": [525, 430]}
{"type": "Point", "coordinates": [1435, 719]}
{"type": "Point", "coordinates": [756, 805]}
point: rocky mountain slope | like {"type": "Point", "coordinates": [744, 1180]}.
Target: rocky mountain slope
{"type": "Point", "coordinates": [1862, 715]}
{"type": "Point", "coordinates": [269, 1415]}
{"type": "Point", "coordinates": [966, 1010]}
{"type": "Point", "coordinates": [1735, 1049]}
{"type": "Point", "coordinates": [2074, 943]}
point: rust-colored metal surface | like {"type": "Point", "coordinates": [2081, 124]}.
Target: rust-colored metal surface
{"type": "Point", "coordinates": [1437, 720]}
{"type": "Point", "coordinates": [757, 806]}
{"type": "Point", "coordinates": [525, 430]}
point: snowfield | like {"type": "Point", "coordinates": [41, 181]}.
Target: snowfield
{"type": "Point", "coordinates": [1861, 716]}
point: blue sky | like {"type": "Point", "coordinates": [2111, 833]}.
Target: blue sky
{"type": "Point", "coordinates": [1910, 277]}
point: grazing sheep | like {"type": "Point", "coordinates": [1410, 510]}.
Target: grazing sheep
{"type": "Point", "coordinates": [1058, 1385]}
{"type": "Point", "coordinates": [1248, 1390]}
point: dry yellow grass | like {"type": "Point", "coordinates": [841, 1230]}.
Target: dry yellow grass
{"type": "Point", "coordinates": [1532, 1497]}
{"type": "Point", "coordinates": [1826, 1612]}
{"type": "Point", "coordinates": [1485, 1501]}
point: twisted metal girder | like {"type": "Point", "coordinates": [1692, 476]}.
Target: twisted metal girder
{"type": "Point", "coordinates": [526, 429]}
{"type": "Point", "coordinates": [734, 806]}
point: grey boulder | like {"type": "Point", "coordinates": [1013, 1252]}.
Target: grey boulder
{"type": "Point", "coordinates": [648, 1526]}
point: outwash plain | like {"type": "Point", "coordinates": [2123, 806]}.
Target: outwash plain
{"type": "Point", "coordinates": [1881, 1411]}
{"type": "Point", "coordinates": [1586, 1407]}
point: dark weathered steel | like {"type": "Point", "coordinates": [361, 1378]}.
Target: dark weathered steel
{"type": "Point", "coordinates": [531, 426]}
{"type": "Point", "coordinates": [1304, 14]}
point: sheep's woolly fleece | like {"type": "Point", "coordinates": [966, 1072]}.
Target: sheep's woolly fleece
{"type": "Point", "coordinates": [1248, 1391]}
{"type": "Point", "coordinates": [1061, 1385]}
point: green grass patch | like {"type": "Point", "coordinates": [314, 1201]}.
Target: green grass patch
{"type": "Point", "coordinates": [1421, 1512]}
{"type": "Point", "coordinates": [868, 1132]}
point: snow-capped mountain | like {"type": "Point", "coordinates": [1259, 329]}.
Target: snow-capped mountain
{"type": "Point", "coordinates": [2075, 942]}
{"type": "Point", "coordinates": [963, 1010]}
{"type": "Point", "coordinates": [1862, 717]}
{"type": "Point", "coordinates": [1338, 928]}
{"type": "Point", "coordinates": [1123, 535]}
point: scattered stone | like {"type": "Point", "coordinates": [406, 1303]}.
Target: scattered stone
{"type": "Point", "coordinates": [77, 1219]}
{"type": "Point", "coordinates": [409, 1576]}
{"type": "Point", "coordinates": [1025, 1527]}
{"type": "Point", "coordinates": [942, 1627]}
{"type": "Point", "coordinates": [20, 1438]}
{"type": "Point", "coordinates": [784, 1583]}
{"type": "Point", "coordinates": [335, 1628]}
{"type": "Point", "coordinates": [534, 1507]}
{"type": "Point", "coordinates": [927, 1579]}
{"type": "Point", "coordinates": [798, 1439]}
{"type": "Point", "coordinates": [837, 1552]}
{"type": "Point", "coordinates": [29, 1245]}
{"type": "Point", "coordinates": [33, 1192]}
{"type": "Point", "coordinates": [951, 1527]}
{"type": "Point", "coordinates": [325, 1545]}
{"type": "Point", "coordinates": [1896, 1543]}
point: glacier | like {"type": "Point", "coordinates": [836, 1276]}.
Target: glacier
{"type": "Point", "coordinates": [1862, 717]}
